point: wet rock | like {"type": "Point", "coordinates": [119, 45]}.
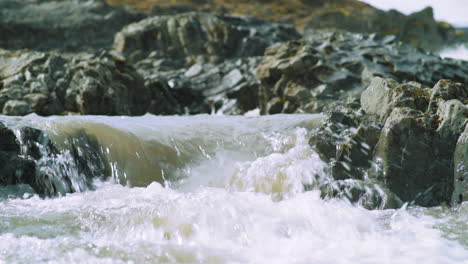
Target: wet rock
{"type": "Point", "coordinates": [29, 156]}
{"type": "Point", "coordinates": [61, 25]}
{"type": "Point", "coordinates": [460, 192]}
{"type": "Point", "coordinates": [408, 144]}
{"type": "Point", "coordinates": [405, 160]}
{"type": "Point", "coordinates": [331, 66]}
{"type": "Point", "coordinates": [346, 141]}
{"type": "Point", "coordinates": [14, 168]}
{"type": "Point", "coordinates": [370, 195]}
{"type": "Point", "coordinates": [415, 153]}
{"type": "Point", "coordinates": [190, 35]}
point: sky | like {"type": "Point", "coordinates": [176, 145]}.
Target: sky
{"type": "Point", "coordinates": [453, 11]}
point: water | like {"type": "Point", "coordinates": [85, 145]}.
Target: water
{"type": "Point", "coordinates": [214, 189]}
{"type": "Point", "coordinates": [459, 52]}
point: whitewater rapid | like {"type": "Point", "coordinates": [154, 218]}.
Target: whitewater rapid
{"type": "Point", "coordinates": [214, 189]}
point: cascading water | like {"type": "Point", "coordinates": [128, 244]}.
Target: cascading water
{"type": "Point", "coordinates": [208, 189]}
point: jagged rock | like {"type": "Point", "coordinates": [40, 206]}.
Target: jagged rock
{"type": "Point", "coordinates": [346, 141]}
{"type": "Point", "coordinates": [446, 90]}
{"type": "Point", "coordinates": [405, 159]}
{"type": "Point", "coordinates": [383, 95]}
{"type": "Point", "coordinates": [28, 156]}
{"type": "Point", "coordinates": [460, 192]}
{"type": "Point", "coordinates": [14, 168]}
{"type": "Point", "coordinates": [408, 144]}
{"type": "Point", "coordinates": [415, 152]}
{"type": "Point", "coordinates": [214, 55]}
{"type": "Point", "coordinates": [327, 67]}
{"type": "Point", "coordinates": [49, 84]}
{"type": "Point", "coordinates": [77, 25]}
{"type": "Point", "coordinates": [190, 35]}
{"type": "Point", "coordinates": [419, 29]}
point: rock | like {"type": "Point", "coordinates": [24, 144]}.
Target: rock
{"type": "Point", "coordinates": [370, 195]}
{"type": "Point", "coordinates": [29, 156]}
{"type": "Point", "coordinates": [383, 95]}
{"type": "Point", "coordinates": [333, 66]}
{"type": "Point", "coordinates": [418, 29]}
{"type": "Point", "coordinates": [408, 145]}
{"type": "Point", "coordinates": [405, 161]}
{"type": "Point", "coordinates": [49, 84]}
{"type": "Point", "coordinates": [415, 153]}
{"type": "Point", "coordinates": [61, 25]}
{"type": "Point", "coordinates": [446, 90]}
{"type": "Point", "coordinates": [14, 168]}
{"type": "Point", "coordinates": [460, 192]}
{"type": "Point", "coordinates": [212, 54]}
{"type": "Point", "coordinates": [346, 141]}
{"type": "Point", "coordinates": [16, 107]}
{"type": "Point", "coordinates": [103, 86]}
{"type": "Point", "coordinates": [190, 35]}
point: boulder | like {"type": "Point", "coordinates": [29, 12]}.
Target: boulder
{"type": "Point", "coordinates": [383, 95]}
{"type": "Point", "coordinates": [418, 29]}
{"type": "Point", "coordinates": [209, 36]}
{"type": "Point", "coordinates": [29, 156]}
{"type": "Point", "coordinates": [412, 145]}
{"type": "Point", "coordinates": [61, 25]}
{"type": "Point", "coordinates": [50, 84]}
{"type": "Point", "coordinates": [460, 192]}
{"type": "Point", "coordinates": [415, 153]}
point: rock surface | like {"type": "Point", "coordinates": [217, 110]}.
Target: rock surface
{"type": "Point", "coordinates": [211, 55]}
{"type": "Point", "coordinates": [418, 29]}
{"type": "Point", "coordinates": [50, 84]}
{"type": "Point", "coordinates": [69, 26]}
{"type": "Point", "coordinates": [460, 192]}
{"type": "Point", "coordinates": [306, 75]}
{"type": "Point", "coordinates": [28, 156]}
{"type": "Point", "coordinates": [189, 36]}
{"type": "Point", "coordinates": [408, 144]}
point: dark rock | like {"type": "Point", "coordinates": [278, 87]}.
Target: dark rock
{"type": "Point", "coordinates": [213, 55]}
{"type": "Point", "coordinates": [331, 67]}
{"type": "Point", "coordinates": [346, 141]}
{"type": "Point", "coordinates": [408, 144]}
{"type": "Point", "coordinates": [190, 35]}
{"type": "Point", "coordinates": [79, 25]}
{"type": "Point", "coordinates": [460, 192]}
{"type": "Point", "coordinates": [383, 95]}
{"type": "Point", "coordinates": [370, 195]}
{"type": "Point", "coordinates": [418, 29]}
{"type": "Point", "coordinates": [29, 156]}
{"type": "Point", "coordinates": [415, 152]}
{"type": "Point", "coordinates": [48, 84]}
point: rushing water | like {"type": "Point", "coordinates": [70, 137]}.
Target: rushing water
{"type": "Point", "coordinates": [232, 192]}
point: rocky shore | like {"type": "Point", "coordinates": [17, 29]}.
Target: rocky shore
{"type": "Point", "coordinates": [396, 126]}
